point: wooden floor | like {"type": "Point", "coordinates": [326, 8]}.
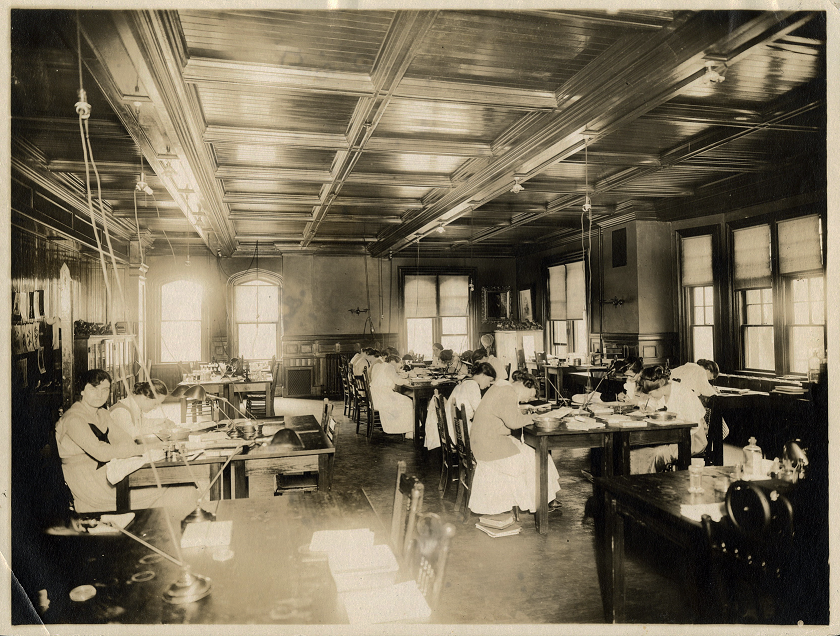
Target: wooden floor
{"type": "Point", "coordinates": [527, 578]}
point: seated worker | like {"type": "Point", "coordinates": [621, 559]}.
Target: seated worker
{"type": "Point", "coordinates": [505, 473]}
{"type": "Point", "coordinates": [629, 369]}
{"type": "Point", "coordinates": [130, 412]}
{"type": "Point", "coordinates": [396, 411]}
{"type": "Point", "coordinates": [436, 349]}
{"type": "Point", "coordinates": [655, 393]}
{"type": "Point", "coordinates": [88, 439]}
{"type": "Point", "coordinates": [451, 363]}
{"type": "Point", "coordinates": [481, 355]}
{"type": "Point", "coordinates": [367, 358]}
{"type": "Point", "coordinates": [697, 376]}
{"type": "Point", "coordinates": [468, 394]}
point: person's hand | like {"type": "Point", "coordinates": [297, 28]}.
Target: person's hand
{"type": "Point", "coordinates": [621, 397]}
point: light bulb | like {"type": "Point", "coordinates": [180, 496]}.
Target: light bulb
{"type": "Point", "coordinates": [440, 229]}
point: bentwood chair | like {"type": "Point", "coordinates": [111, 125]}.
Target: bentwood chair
{"type": "Point", "coordinates": [255, 401]}
{"type": "Point", "coordinates": [360, 399]}
{"type": "Point", "coordinates": [466, 461]}
{"type": "Point", "coordinates": [345, 386]}
{"type": "Point", "coordinates": [326, 414]}
{"type": "Point", "coordinates": [408, 503]}
{"type": "Point", "coordinates": [449, 455]}
{"type": "Point", "coordinates": [427, 554]}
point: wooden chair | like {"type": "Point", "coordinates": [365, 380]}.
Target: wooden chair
{"type": "Point", "coordinates": [449, 456]}
{"type": "Point", "coordinates": [466, 461]}
{"type": "Point", "coordinates": [326, 414]}
{"type": "Point", "coordinates": [373, 418]}
{"type": "Point", "coordinates": [331, 430]}
{"type": "Point", "coordinates": [408, 503]}
{"type": "Point", "coordinates": [360, 398]}
{"type": "Point", "coordinates": [345, 386]}
{"type": "Point", "coordinates": [255, 401]}
{"type": "Point", "coordinates": [427, 554]}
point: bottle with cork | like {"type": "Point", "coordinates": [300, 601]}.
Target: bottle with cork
{"type": "Point", "coordinates": [752, 458]}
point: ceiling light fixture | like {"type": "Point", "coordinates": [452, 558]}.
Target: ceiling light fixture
{"type": "Point", "coordinates": [187, 262]}
{"type": "Point", "coordinates": [517, 187]}
{"type": "Point", "coordinates": [440, 229]}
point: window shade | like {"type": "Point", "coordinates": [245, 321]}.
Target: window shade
{"type": "Point", "coordinates": [800, 245]}
{"type": "Point", "coordinates": [557, 292]}
{"type": "Point", "coordinates": [751, 247]}
{"type": "Point", "coordinates": [454, 295]}
{"type": "Point", "coordinates": [697, 261]}
{"type": "Point", "coordinates": [575, 291]}
{"type": "Point", "coordinates": [420, 297]}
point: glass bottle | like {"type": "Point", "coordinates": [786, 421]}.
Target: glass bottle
{"type": "Point", "coordinates": [752, 458]}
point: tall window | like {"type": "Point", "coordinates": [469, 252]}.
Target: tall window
{"type": "Point", "coordinates": [753, 284]}
{"type": "Point", "coordinates": [698, 295]}
{"type": "Point", "coordinates": [257, 314]}
{"type": "Point", "coordinates": [567, 309]}
{"type": "Point", "coordinates": [180, 324]}
{"type": "Point", "coordinates": [437, 309]}
{"type": "Point", "coordinates": [780, 302]}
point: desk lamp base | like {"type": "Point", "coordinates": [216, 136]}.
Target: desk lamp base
{"type": "Point", "coordinates": [197, 515]}
{"type": "Point", "coordinates": [188, 588]}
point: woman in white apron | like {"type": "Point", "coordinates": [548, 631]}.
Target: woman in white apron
{"type": "Point", "coordinates": [505, 473]}
{"type": "Point", "coordinates": [396, 411]}
{"type": "Point", "coordinates": [130, 412]}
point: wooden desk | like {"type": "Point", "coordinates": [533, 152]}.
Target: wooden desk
{"type": "Point", "coordinates": [222, 387]}
{"type": "Point", "coordinates": [654, 501]}
{"type": "Point", "coordinates": [253, 470]}
{"type": "Point", "coordinates": [421, 394]}
{"type": "Point", "coordinates": [270, 580]}
{"type": "Point", "coordinates": [255, 386]}
{"type": "Point", "coordinates": [616, 444]}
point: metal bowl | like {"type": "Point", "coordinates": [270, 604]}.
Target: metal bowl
{"type": "Point", "coordinates": [547, 421]}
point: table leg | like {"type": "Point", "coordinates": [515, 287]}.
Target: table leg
{"type": "Point", "coordinates": [269, 401]}
{"type": "Point", "coordinates": [123, 495]}
{"type": "Point", "coordinates": [716, 433]}
{"type": "Point", "coordinates": [621, 453]}
{"type": "Point", "coordinates": [541, 477]}
{"type": "Point", "coordinates": [325, 469]}
{"type": "Point", "coordinates": [614, 590]}
{"type": "Point", "coordinates": [419, 424]}
{"type": "Point", "coordinates": [240, 480]}
{"type": "Point", "coordinates": [216, 488]}
{"type": "Point", "coordinates": [684, 449]}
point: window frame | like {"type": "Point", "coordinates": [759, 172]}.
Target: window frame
{"type": "Point", "coordinates": [249, 276]}
{"type": "Point", "coordinates": [472, 316]}
{"type": "Point", "coordinates": [202, 320]}
{"type": "Point", "coordinates": [781, 327]}
{"type": "Point", "coordinates": [571, 326]}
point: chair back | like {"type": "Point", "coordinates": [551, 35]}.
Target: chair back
{"type": "Point", "coordinates": [332, 430]}
{"type": "Point", "coordinates": [275, 377]}
{"type": "Point", "coordinates": [326, 414]}
{"type": "Point", "coordinates": [366, 382]}
{"type": "Point", "coordinates": [462, 435]}
{"type": "Point", "coordinates": [427, 554]}
{"type": "Point", "coordinates": [443, 429]}
{"type": "Point", "coordinates": [408, 503]}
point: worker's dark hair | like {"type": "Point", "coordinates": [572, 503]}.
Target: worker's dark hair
{"type": "Point", "coordinates": [711, 366]}
{"type": "Point", "coordinates": [93, 377]}
{"type": "Point", "coordinates": [375, 353]}
{"type": "Point", "coordinates": [629, 364]}
{"type": "Point", "coordinates": [652, 378]}
{"type": "Point", "coordinates": [527, 380]}
{"type": "Point", "coordinates": [437, 345]}
{"type": "Point", "coordinates": [484, 368]}
{"type": "Point", "coordinates": [445, 355]}
{"type": "Point", "coordinates": [392, 351]}
{"type": "Point", "coordinates": [479, 354]}
{"type": "Point", "coordinates": [145, 388]}
{"type": "Point", "coordinates": [391, 358]}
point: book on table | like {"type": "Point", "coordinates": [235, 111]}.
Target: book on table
{"type": "Point", "coordinates": [499, 521]}
{"type": "Point", "coordinates": [495, 532]}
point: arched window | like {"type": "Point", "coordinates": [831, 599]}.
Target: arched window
{"type": "Point", "coordinates": [256, 314]}
{"type": "Point", "coordinates": [180, 321]}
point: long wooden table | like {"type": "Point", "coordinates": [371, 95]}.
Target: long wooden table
{"type": "Point", "coordinates": [253, 470]}
{"type": "Point", "coordinates": [420, 394]}
{"type": "Point", "coordinates": [271, 579]}
{"type": "Point", "coordinates": [654, 501]}
{"type": "Point", "coordinates": [616, 444]}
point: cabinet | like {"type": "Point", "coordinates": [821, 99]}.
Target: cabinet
{"type": "Point", "coordinates": [114, 354]}
{"type": "Point", "coordinates": [508, 342]}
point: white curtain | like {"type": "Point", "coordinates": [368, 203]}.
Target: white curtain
{"type": "Point", "coordinates": [751, 248]}
{"type": "Point", "coordinates": [800, 245]}
{"type": "Point", "coordinates": [420, 297]}
{"type": "Point", "coordinates": [557, 292]}
{"type": "Point", "coordinates": [697, 261]}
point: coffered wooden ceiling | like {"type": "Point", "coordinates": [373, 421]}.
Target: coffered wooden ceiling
{"type": "Point", "coordinates": [343, 131]}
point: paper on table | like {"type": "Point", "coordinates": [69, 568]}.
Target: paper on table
{"type": "Point", "coordinates": [207, 533]}
{"type": "Point", "coordinates": [399, 602]}
{"type": "Point", "coordinates": [376, 558]}
{"type": "Point", "coordinates": [696, 511]}
{"type": "Point", "coordinates": [340, 540]}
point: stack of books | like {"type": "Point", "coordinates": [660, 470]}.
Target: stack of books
{"type": "Point", "coordinates": [501, 525]}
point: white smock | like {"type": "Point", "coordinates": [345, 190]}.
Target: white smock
{"type": "Point", "coordinates": [396, 411]}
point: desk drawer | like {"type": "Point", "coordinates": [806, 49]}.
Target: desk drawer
{"type": "Point", "coordinates": [169, 475]}
{"type": "Point", "coordinates": [274, 465]}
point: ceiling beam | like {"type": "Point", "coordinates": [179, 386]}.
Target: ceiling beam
{"type": "Point", "coordinates": [304, 175]}
{"type": "Point", "coordinates": [401, 43]}
{"type": "Point", "coordinates": [633, 77]}
{"type": "Point", "coordinates": [266, 77]}
{"type": "Point", "coordinates": [638, 19]}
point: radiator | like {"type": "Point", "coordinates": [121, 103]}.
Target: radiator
{"type": "Point", "coordinates": [332, 380]}
{"type": "Point", "coordinates": [298, 382]}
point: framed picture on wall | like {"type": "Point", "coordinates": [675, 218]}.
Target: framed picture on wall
{"type": "Point", "coordinates": [495, 303]}
{"type": "Point", "coordinates": [526, 307]}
